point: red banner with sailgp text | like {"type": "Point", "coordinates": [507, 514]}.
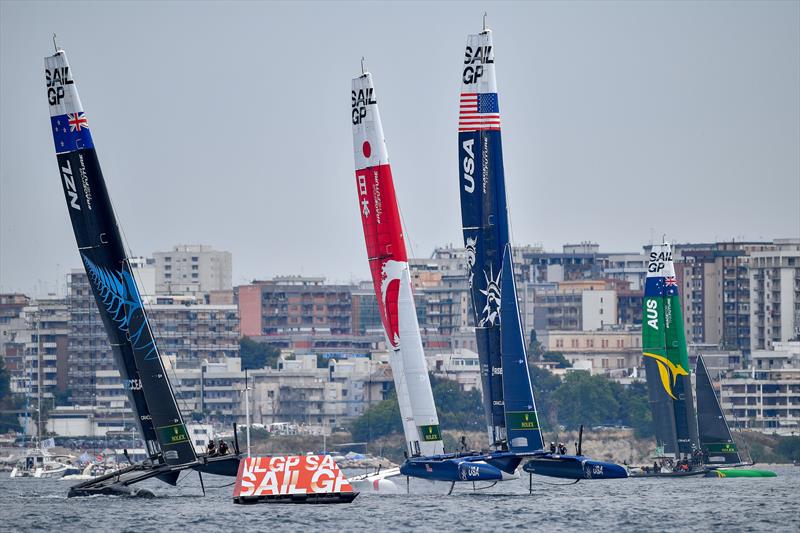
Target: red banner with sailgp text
{"type": "Point", "coordinates": [293, 474]}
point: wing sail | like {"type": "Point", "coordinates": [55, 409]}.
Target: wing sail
{"type": "Point", "coordinates": [110, 275]}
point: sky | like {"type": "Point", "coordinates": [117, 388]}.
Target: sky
{"type": "Point", "coordinates": [228, 124]}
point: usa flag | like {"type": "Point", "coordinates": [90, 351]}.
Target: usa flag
{"type": "Point", "coordinates": [478, 112]}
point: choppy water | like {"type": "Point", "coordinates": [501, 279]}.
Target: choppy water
{"type": "Point", "coordinates": [696, 504]}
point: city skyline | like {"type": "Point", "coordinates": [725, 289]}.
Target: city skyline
{"type": "Point", "coordinates": [714, 86]}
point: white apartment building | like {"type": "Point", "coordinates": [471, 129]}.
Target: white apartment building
{"type": "Point", "coordinates": [775, 294]}
{"type": "Point", "coordinates": [766, 396]}
{"type": "Point", "coordinates": [193, 269]}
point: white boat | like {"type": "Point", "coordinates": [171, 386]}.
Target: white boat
{"type": "Point", "coordinates": [38, 463]}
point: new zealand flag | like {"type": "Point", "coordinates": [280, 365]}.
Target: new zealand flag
{"type": "Point", "coordinates": [71, 132]}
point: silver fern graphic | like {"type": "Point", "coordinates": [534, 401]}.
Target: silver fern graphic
{"type": "Point", "coordinates": [121, 299]}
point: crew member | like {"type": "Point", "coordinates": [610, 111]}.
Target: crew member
{"type": "Point", "coordinates": [562, 449]}
{"type": "Point", "coordinates": [223, 447]}
{"type": "Point", "coordinates": [211, 449]}
{"type": "Point", "coordinates": [552, 447]}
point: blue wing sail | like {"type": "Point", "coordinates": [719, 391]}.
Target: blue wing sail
{"type": "Point", "coordinates": [522, 421]}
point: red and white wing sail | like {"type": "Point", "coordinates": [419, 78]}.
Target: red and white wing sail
{"type": "Point", "coordinates": [386, 251]}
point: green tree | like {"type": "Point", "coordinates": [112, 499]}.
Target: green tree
{"type": "Point", "coordinates": [5, 381]}
{"type": "Point", "coordinates": [634, 409]}
{"type": "Point", "coordinates": [257, 354]}
{"type": "Point", "coordinates": [585, 399]}
{"type": "Point", "coordinates": [458, 410]}
{"type": "Point", "coordinates": [379, 420]}
{"type": "Point", "coordinates": [789, 448]}
{"type": "Point", "coordinates": [557, 357]}
{"type": "Point", "coordinates": [8, 418]}
{"type": "Point", "coordinates": [544, 383]}
{"type": "Point", "coordinates": [535, 348]}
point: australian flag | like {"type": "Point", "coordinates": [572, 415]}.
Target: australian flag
{"type": "Point", "coordinates": [71, 132]}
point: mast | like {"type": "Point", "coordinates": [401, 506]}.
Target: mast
{"type": "Point", "coordinates": [683, 404]}
{"type": "Point", "coordinates": [110, 274]}
{"type": "Point", "coordinates": [39, 379]}
{"type": "Point", "coordinates": [484, 216]}
{"type": "Point", "coordinates": [714, 433]}
{"type": "Point", "coordinates": [386, 252]}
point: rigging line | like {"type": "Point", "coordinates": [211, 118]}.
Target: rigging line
{"type": "Point", "coordinates": [406, 234]}
{"type": "Point", "coordinates": [181, 404]}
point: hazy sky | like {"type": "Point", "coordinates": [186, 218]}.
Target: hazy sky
{"type": "Point", "coordinates": [229, 124]}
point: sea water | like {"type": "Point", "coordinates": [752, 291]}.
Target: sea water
{"type": "Point", "coordinates": [687, 504]}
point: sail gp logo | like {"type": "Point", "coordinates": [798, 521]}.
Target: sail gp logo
{"type": "Point", "coordinates": [360, 99]}
{"type": "Point", "coordinates": [668, 372]}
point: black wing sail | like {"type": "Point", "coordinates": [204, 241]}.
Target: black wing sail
{"type": "Point", "coordinates": [716, 440]}
{"type": "Point", "coordinates": [103, 255]}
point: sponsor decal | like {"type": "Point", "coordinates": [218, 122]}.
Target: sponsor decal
{"type": "Point", "coordinates": [721, 447]}
{"type": "Point", "coordinates": [523, 420]}
{"type": "Point", "coordinates": [283, 475]}
{"type": "Point", "coordinates": [668, 372]}
{"type": "Point", "coordinates": [430, 433]}
{"type": "Point", "coordinates": [171, 435]}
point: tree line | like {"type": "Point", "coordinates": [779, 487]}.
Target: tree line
{"type": "Point", "coordinates": [579, 398]}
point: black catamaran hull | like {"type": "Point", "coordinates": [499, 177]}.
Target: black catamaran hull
{"type": "Point", "coordinates": [120, 483]}
{"type": "Point", "coordinates": [679, 474]}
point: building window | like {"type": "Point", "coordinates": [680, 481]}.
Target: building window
{"type": "Point", "coordinates": [194, 259]}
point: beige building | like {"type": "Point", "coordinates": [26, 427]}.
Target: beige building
{"type": "Point", "coordinates": [610, 351]}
